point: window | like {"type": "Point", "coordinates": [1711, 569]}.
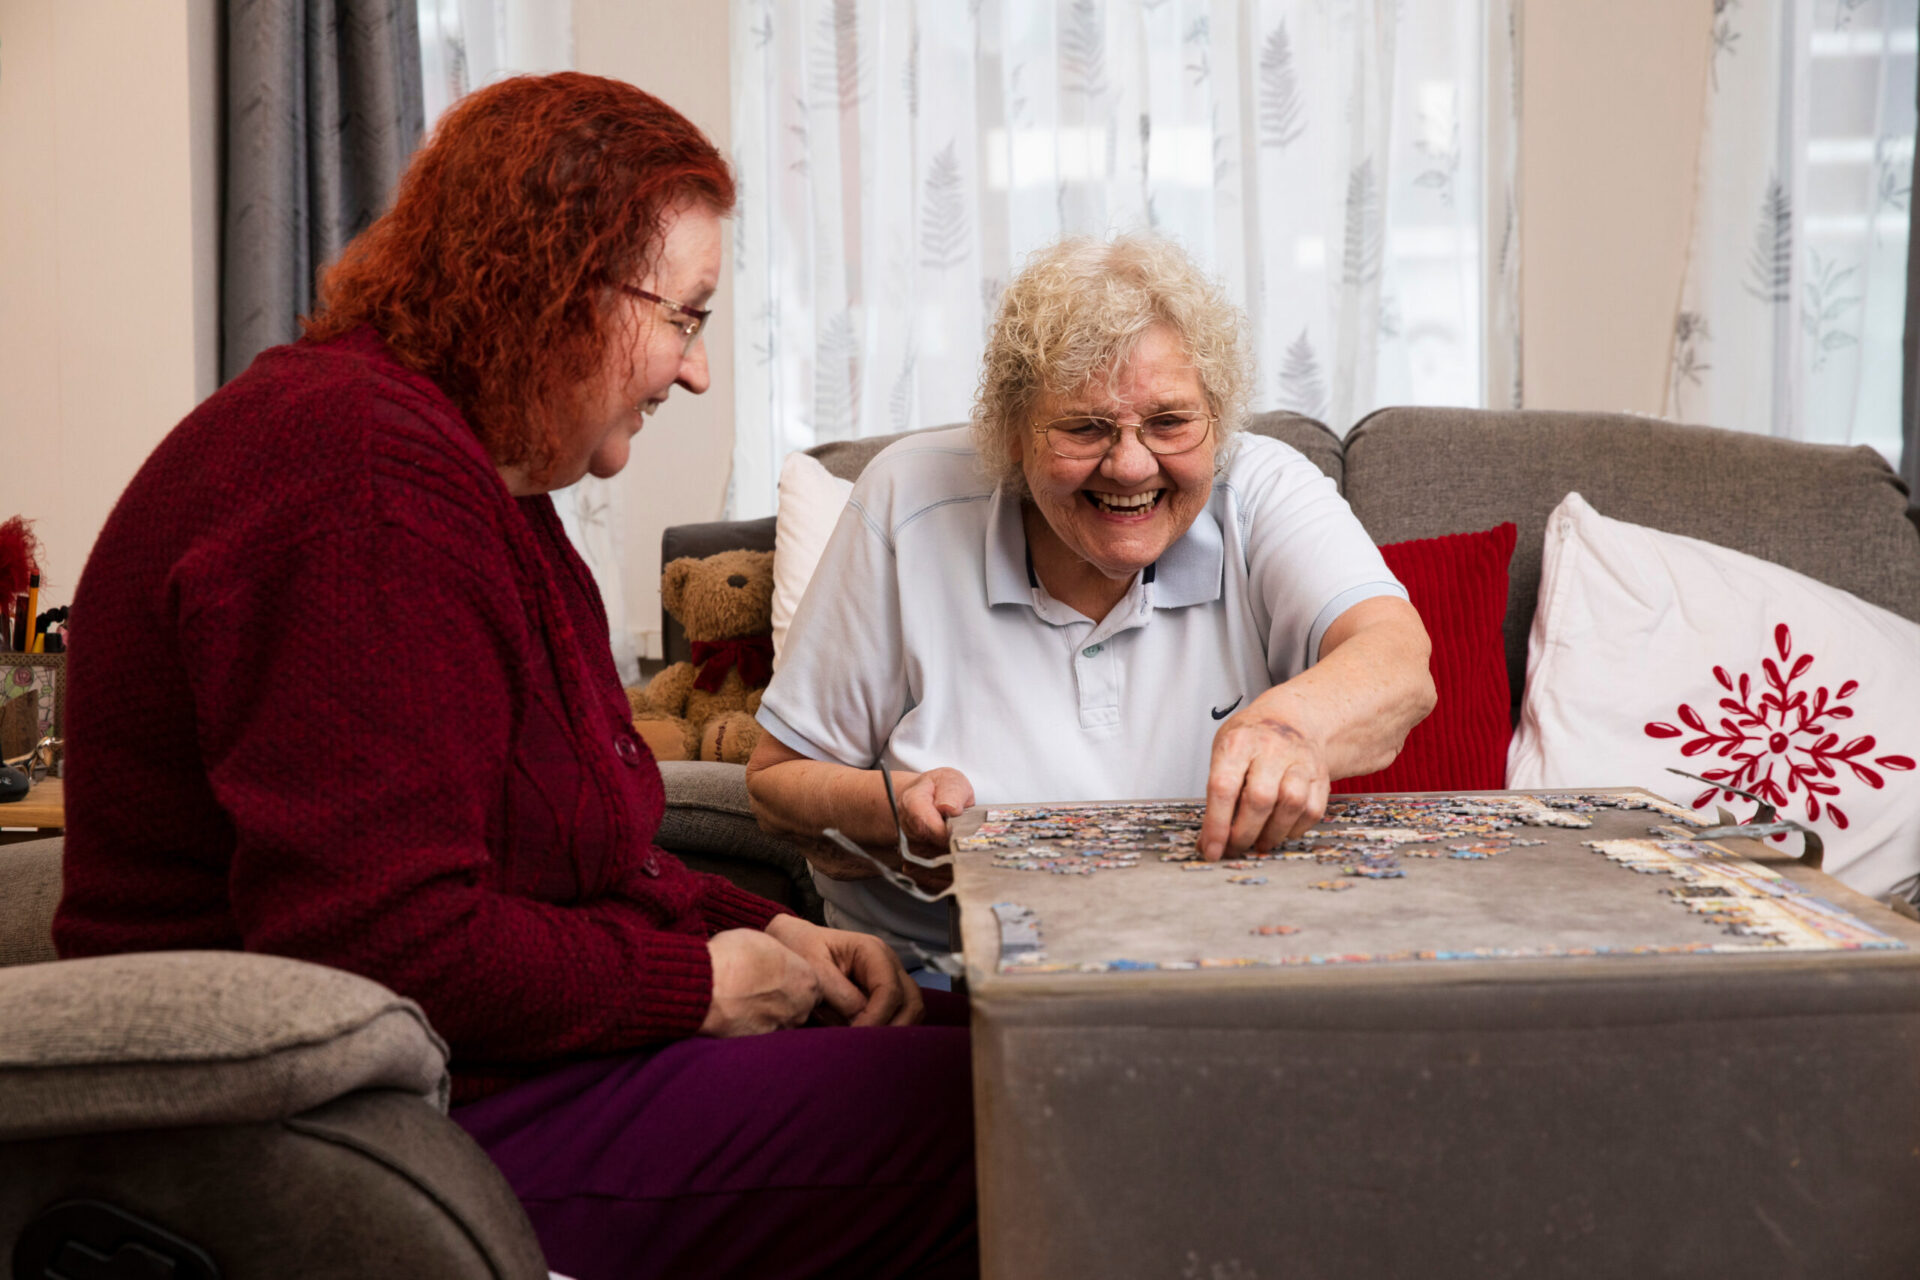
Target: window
{"type": "Point", "coordinates": [1326, 162]}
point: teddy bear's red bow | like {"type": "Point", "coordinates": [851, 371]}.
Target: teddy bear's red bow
{"type": "Point", "coordinates": [752, 654]}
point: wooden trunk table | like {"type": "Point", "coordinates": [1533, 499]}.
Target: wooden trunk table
{"type": "Point", "coordinates": [1607, 1049]}
{"type": "Point", "coordinates": [36, 815]}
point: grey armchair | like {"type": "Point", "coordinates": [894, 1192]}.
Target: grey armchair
{"type": "Point", "coordinates": [201, 1114]}
{"type": "Point", "coordinates": [240, 1115]}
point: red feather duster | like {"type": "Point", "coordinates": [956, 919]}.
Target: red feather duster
{"type": "Point", "coordinates": [19, 559]}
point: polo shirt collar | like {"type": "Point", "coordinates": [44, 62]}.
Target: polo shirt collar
{"type": "Point", "coordinates": [1190, 572]}
{"type": "Point", "coordinates": [1006, 551]}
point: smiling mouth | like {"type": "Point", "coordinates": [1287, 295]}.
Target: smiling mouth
{"type": "Point", "coordinates": [1117, 504]}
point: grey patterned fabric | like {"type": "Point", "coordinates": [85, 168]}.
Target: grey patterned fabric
{"type": "Point", "coordinates": [158, 1040]}
{"type": "Point", "coordinates": [1832, 512]}
{"type": "Point", "coordinates": [709, 825]}
{"type": "Point", "coordinates": [848, 458]}
{"type": "Point", "coordinates": [1309, 436]}
{"type": "Point", "coordinates": [323, 111]}
{"type": "Point", "coordinates": [29, 890]}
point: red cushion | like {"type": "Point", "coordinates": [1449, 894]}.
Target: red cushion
{"type": "Point", "coordinates": [1459, 585]}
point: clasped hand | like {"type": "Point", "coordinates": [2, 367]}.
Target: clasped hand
{"type": "Point", "coordinates": [1267, 782]}
{"type": "Point", "coordinates": [764, 980]}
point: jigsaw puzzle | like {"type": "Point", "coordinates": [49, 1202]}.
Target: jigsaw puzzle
{"type": "Point", "coordinates": [1524, 853]}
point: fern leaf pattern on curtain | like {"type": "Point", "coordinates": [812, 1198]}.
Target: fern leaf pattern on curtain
{"type": "Point", "coordinates": [1325, 158]}
{"type": "Point", "coordinates": [1791, 313]}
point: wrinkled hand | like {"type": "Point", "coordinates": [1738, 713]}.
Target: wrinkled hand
{"type": "Point", "coordinates": [759, 985]}
{"type": "Point", "coordinates": [1267, 782]}
{"type": "Point", "coordinates": [928, 806]}
{"type": "Point", "coordinates": [861, 980]}
{"type": "Point", "coordinates": [929, 802]}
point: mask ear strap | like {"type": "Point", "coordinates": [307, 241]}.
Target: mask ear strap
{"type": "Point", "coordinates": [906, 853]}
{"type": "Point", "coordinates": [897, 879]}
{"type": "Point", "coordinates": [1765, 822]}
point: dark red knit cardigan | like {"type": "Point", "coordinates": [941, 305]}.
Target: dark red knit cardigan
{"type": "Point", "coordinates": [336, 695]}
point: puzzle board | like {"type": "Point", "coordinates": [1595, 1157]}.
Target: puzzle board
{"type": "Point", "coordinates": [1387, 879]}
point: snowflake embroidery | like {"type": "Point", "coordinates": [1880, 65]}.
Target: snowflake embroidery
{"type": "Point", "coordinates": [1778, 745]}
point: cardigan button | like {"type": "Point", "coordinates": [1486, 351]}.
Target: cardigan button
{"type": "Point", "coordinates": [651, 865]}
{"type": "Point", "coordinates": [624, 748]}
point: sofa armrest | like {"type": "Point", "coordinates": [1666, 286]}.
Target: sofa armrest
{"type": "Point", "coordinates": [709, 825]}
{"type": "Point", "coordinates": [29, 892]}
{"type": "Point", "coordinates": [168, 1039]}
{"type": "Point", "coordinates": [376, 1183]}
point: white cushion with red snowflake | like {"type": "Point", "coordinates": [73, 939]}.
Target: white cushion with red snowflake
{"type": "Point", "coordinates": [1652, 651]}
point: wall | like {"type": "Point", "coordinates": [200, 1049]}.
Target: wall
{"type": "Point", "coordinates": [109, 320]}
{"type": "Point", "coordinates": [1611, 99]}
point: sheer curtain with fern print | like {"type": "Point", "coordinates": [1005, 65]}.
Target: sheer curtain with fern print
{"type": "Point", "coordinates": [1791, 316]}
{"type": "Point", "coordinates": [1346, 167]}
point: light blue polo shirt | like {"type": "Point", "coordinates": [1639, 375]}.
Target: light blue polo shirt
{"type": "Point", "coordinates": [925, 640]}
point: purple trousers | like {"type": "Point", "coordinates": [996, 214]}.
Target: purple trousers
{"type": "Point", "coordinates": [814, 1152]}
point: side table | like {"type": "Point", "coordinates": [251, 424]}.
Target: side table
{"type": "Point", "coordinates": [41, 813]}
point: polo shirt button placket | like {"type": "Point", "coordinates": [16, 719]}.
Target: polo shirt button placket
{"type": "Point", "coordinates": [1094, 680]}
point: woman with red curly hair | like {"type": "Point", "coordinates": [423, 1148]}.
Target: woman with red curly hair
{"type": "Point", "coordinates": [345, 694]}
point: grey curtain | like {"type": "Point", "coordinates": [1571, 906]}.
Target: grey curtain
{"type": "Point", "coordinates": [1910, 347]}
{"type": "Point", "coordinates": [323, 111]}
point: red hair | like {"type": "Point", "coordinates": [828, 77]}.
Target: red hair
{"type": "Point", "coordinates": [490, 273]}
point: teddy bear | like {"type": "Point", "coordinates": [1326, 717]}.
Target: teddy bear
{"type": "Point", "coordinates": [703, 710]}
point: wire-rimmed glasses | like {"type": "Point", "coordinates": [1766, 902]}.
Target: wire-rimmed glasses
{"type": "Point", "coordinates": [1082, 436]}
{"type": "Point", "coordinates": [688, 320]}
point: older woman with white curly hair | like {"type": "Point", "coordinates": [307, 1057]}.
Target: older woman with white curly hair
{"type": "Point", "coordinates": [1105, 592]}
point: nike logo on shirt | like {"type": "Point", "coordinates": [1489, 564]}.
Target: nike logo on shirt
{"type": "Point", "coordinates": [1221, 713]}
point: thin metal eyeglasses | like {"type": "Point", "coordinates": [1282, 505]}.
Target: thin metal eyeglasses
{"type": "Point", "coordinates": [1082, 437]}
{"type": "Point", "coordinates": [688, 320]}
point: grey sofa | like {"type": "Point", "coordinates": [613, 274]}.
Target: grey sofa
{"type": "Point", "coordinates": [306, 1126]}
{"type": "Point", "coordinates": [1834, 513]}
